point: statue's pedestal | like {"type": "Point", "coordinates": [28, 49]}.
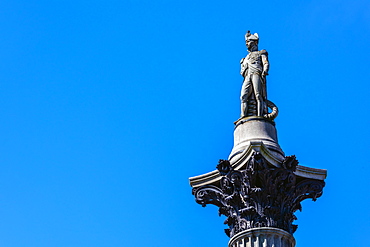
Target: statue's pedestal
{"type": "Point", "coordinates": [255, 129]}
{"type": "Point", "coordinates": [262, 237]}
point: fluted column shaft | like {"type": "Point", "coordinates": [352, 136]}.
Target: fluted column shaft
{"type": "Point", "coordinates": [262, 237]}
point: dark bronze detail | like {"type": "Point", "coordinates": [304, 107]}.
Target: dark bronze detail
{"type": "Point", "coordinates": [259, 195]}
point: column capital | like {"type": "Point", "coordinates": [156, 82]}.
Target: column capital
{"type": "Point", "coordinates": [259, 194]}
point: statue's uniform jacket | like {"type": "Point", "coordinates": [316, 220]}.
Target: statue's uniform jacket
{"type": "Point", "coordinates": [252, 67]}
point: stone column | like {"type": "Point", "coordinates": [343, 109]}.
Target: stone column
{"type": "Point", "coordinates": [262, 237]}
{"type": "Point", "coordinates": [258, 189]}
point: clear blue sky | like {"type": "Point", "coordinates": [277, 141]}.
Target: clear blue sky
{"type": "Point", "coordinates": [107, 107]}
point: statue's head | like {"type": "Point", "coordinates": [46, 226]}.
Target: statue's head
{"type": "Point", "coordinates": [251, 40]}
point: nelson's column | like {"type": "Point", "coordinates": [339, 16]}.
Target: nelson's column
{"type": "Point", "coordinates": [258, 188]}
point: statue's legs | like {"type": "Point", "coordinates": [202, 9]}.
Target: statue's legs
{"type": "Point", "coordinates": [257, 88]}
{"type": "Point", "coordinates": [244, 95]}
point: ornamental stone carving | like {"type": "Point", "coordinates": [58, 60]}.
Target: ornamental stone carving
{"type": "Point", "coordinates": [259, 195]}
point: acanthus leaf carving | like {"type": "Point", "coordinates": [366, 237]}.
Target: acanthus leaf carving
{"type": "Point", "coordinates": [260, 195]}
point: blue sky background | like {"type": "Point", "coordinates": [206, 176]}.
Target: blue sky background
{"type": "Point", "coordinates": [107, 107]}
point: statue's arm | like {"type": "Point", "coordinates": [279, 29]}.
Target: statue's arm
{"type": "Point", "coordinates": [265, 62]}
{"type": "Point", "coordinates": [243, 66]}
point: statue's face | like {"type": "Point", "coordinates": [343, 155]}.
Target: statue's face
{"type": "Point", "coordinates": [250, 44]}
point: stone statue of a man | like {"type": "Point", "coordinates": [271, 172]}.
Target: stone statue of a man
{"type": "Point", "coordinates": [254, 68]}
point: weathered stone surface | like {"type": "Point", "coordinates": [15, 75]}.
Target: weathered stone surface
{"type": "Point", "coordinates": [239, 160]}
{"type": "Point", "coordinates": [252, 129]}
{"type": "Point", "coordinates": [258, 194]}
